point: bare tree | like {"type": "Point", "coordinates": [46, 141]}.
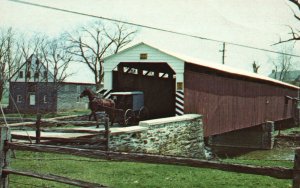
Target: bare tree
{"type": "Point", "coordinates": [51, 52]}
{"type": "Point", "coordinates": [255, 67]}
{"type": "Point", "coordinates": [295, 33]}
{"type": "Point", "coordinates": [51, 62]}
{"type": "Point", "coordinates": [56, 58]}
{"type": "Point", "coordinates": [283, 64]}
{"type": "Point", "coordinates": [122, 36]}
{"type": "Point", "coordinates": [32, 45]}
{"type": "Point", "coordinates": [92, 43]}
{"type": "Point", "coordinates": [9, 57]}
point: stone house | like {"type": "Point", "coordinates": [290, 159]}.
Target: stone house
{"type": "Point", "coordinates": [33, 90]}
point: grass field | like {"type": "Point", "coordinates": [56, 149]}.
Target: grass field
{"type": "Point", "coordinates": [126, 174]}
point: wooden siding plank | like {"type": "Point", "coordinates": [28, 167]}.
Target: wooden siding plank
{"type": "Point", "coordinates": [229, 104]}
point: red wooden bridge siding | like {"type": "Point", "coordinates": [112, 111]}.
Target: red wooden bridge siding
{"type": "Point", "coordinates": [229, 102]}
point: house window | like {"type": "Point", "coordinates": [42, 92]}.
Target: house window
{"type": "Point", "coordinates": [21, 74]}
{"type": "Point", "coordinates": [36, 75]}
{"type": "Point", "coordinates": [32, 99]}
{"type": "Point", "coordinates": [144, 56]}
{"type": "Point", "coordinates": [28, 75]}
{"type": "Point", "coordinates": [45, 99]}
{"type": "Point", "coordinates": [19, 98]}
{"type": "Point", "coordinates": [45, 74]}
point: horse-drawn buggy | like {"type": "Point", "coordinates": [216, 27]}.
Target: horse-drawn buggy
{"type": "Point", "coordinates": [130, 107]}
{"type": "Point", "coordinates": [126, 108]}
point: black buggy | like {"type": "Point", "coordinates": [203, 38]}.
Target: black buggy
{"type": "Point", "coordinates": [129, 107]}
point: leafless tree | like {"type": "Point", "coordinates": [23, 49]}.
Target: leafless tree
{"type": "Point", "coordinates": [295, 33]}
{"type": "Point", "coordinates": [54, 55]}
{"type": "Point", "coordinates": [283, 64]}
{"type": "Point", "coordinates": [32, 45]}
{"type": "Point", "coordinates": [9, 57]}
{"type": "Point", "coordinates": [255, 67]}
{"type": "Point", "coordinates": [51, 52]}
{"type": "Point", "coordinates": [92, 43]}
{"type": "Point", "coordinates": [56, 58]}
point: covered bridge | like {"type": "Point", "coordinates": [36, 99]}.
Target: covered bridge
{"type": "Point", "coordinates": [173, 84]}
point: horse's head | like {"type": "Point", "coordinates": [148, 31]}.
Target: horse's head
{"type": "Point", "coordinates": [85, 92]}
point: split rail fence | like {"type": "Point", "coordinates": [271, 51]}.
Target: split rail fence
{"type": "Point", "coordinates": [6, 146]}
{"type": "Point", "coordinates": [55, 125]}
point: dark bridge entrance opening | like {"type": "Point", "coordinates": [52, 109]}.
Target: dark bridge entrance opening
{"type": "Point", "coordinates": [156, 80]}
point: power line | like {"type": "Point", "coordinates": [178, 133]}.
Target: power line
{"type": "Point", "coordinates": [154, 28]}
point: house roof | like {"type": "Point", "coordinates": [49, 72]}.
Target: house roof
{"type": "Point", "coordinates": [29, 61]}
{"type": "Point", "coordinates": [50, 74]}
{"type": "Point", "coordinates": [219, 67]}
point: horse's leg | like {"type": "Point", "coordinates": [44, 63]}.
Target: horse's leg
{"type": "Point", "coordinates": [90, 116]}
{"type": "Point", "coordinates": [112, 113]}
{"type": "Point", "coordinates": [96, 118]}
{"type": "Point", "coordinates": [112, 118]}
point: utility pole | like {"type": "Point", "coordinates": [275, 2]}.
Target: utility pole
{"type": "Point", "coordinates": [223, 53]}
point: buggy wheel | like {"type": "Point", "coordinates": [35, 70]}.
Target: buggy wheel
{"type": "Point", "coordinates": [143, 113]}
{"type": "Point", "coordinates": [129, 117]}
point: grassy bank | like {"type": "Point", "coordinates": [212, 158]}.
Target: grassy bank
{"type": "Point", "coordinates": [126, 174]}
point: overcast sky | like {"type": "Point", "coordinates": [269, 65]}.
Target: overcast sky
{"type": "Point", "coordinates": [257, 23]}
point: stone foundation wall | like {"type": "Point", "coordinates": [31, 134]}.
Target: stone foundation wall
{"type": "Point", "coordinates": [176, 136]}
{"type": "Point", "coordinates": [258, 137]}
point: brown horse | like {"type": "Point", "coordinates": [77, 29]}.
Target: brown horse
{"type": "Point", "coordinates": [98, 104]}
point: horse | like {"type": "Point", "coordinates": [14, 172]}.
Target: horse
{"type": "Point", "coordinates": [98, 104]}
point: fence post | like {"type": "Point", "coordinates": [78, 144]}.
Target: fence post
{"type": "Point", "coordinates": [38, 129]}
{"type": "Point", "coordinates": [5, 154]}
{"type": "Point", "coordinates": [296, 173]}
{"type": "Point", "coordinates": [107, 132]}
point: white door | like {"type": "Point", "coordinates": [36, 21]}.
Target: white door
{"type": "Point", "coordinates": [32, 99]}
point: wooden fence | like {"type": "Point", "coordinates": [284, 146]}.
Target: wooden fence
{"type": "Point", "coordinates": [50, 126]}
{"type": "Point", "coordinates": [6, 146]}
